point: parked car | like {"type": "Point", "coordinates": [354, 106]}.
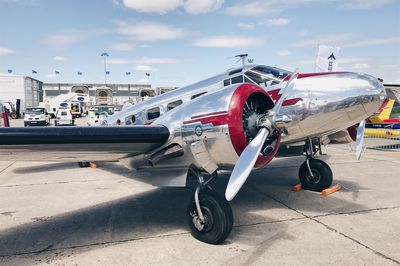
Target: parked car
{"type": "Point", "coordinates": [64, 117]}
{"type": "Point", "coordinates": [36, 116]}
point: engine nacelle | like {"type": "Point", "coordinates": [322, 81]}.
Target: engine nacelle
{"type": "Point", "coordinates": [215, 128]}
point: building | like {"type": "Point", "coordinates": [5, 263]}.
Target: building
{"type": "Point", "coordinates": [162, 90]}
{"type": "Point", "coordinates": [27, 89]}
{"type": "Point", "coordinates": [121, 93]}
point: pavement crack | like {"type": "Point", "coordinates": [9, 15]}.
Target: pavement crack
{"type": "Point", "coordinates": [380, 254]}
{"type": "Point", "coordinates": [8, 166]}
{"type": "Point", "coordinates": [358, 211]}
{"type": "Point", "coordinates": [57, 183]}
{"type": "Point", "coordinates": [50, 249]}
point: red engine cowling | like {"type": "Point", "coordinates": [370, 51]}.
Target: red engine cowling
{"type": "Point", "coordinates": [246, 103]}
{"type": "Point", "coordinates": [233, 112]}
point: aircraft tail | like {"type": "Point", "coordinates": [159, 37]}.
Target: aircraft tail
{"type": "Point", "coordinates": [384, 112]}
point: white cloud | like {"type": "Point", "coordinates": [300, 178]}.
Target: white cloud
{"type": "Point", "coordinates": [360, 66]}
{"type": "Point", "coordinates": [165, 6]}
{"type": "Point", "coordinates": [52, 75]}
{"type": "Point", "coordinates": [59, 58]}
{"type": "Point", "coordinates": [365, 4]}
{"type": "Point", "coordinates": [284, 53]}
{"type": "Point", "coordinates": [123, 47]}
{"type": "Point", "coordinates": [277, 22]}
{"type": "Point", "coordinates": [6, 51]}
{"type": "Point", "coordinates": [145, 61]}
{"type": "Point", "coordinates": [247, 26]}
{"type": "Point", "coordinates": [254, 8]}
{"type": "Point", "coordinates": [65, 39]}
{"type": "Point", "coordinates": [143, 81]}
{"type": "Point", "coordinates": [203, 6]}
{"type": "Point", "coordinates": [373, 42]}
{"type": "Point", "coordinates": [327, 39]}
{"type": "Point", "coordinates": [229, 41]}
{"type": "Point", "coordinates": [143, 68]}
{"type": "Point", "coordinates": [148, 31]}
{"type": "Point", "coordinates": [157, 6]}
{"type": "Point", "coordinates": [263, 7]}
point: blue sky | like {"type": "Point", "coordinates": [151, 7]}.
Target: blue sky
{"type": "Point", "coordinates": [183, 41]}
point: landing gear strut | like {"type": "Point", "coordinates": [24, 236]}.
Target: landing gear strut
{"type": "Point", "coordinates": [314, 174]}
{"type": "Point", "coordinates": [209, 215]}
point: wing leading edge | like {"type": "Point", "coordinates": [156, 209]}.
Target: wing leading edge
{"type": "Point", "coordinates": [79, 143]}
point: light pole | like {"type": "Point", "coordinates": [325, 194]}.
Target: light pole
{"type": "Point", "coordinates": [105, 55]}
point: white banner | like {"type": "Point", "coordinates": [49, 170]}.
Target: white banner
{"type": "Point", "coordinates": [327, 59]}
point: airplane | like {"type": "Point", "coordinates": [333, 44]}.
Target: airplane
{"type": "Point", "coordinates": [383, 118]}
{"type": "Point", "coordinates": [235, 121]}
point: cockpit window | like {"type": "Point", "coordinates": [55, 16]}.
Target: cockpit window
{"type": "Point", "coordinates": [238, 79]}
{"type": "Point", "coordinates": [267, 75]}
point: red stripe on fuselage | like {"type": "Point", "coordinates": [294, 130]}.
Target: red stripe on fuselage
{"type": "Point", "coordinates": [210, 114]}
{"type": "Point", "coordinates": [216, 120]}
{"type": "Point", "coordinates": [306, 75]}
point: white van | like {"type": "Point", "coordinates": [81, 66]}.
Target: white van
{"type": "Point", "coordinates": [36, 116]}
{"type": "Point", "coordinates": [64, 118]}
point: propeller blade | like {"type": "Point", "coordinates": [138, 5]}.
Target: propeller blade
{"type": "Point", "coordinates": [245, 164]}
{"type": "Point", "coordinates": [285, 90]}
{"type": "Point", "coordinates": [360, 139]}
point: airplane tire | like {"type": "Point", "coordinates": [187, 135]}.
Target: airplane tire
{"type": "Point", "coordinates": [84, 164]}
{"type": "Point", "coordinates": [322, 175]}
{"type": "Point", "coordinates": [218, 215]}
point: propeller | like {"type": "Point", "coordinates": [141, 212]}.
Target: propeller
{"type": "Point", "coordinates": [360, 139]}
{"type": "Point", "coordinates": [249, 156]}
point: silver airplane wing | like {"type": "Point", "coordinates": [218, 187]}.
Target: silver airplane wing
{"type": "Point", "coordinates": [76, 144]}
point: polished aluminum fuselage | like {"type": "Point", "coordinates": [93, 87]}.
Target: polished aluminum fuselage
{"type": "Point", "coordinates": [329, 102]}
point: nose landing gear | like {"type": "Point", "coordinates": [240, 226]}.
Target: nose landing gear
{"type": "Point", "coordinates": [209, 215]}
{"type": "Point", "coordinates": [314, 174]}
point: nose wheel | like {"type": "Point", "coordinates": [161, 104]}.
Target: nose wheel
{"type": "Point", "coordinates": [217, 220]}
{"type": "Point", "coordinates": [209, 215]}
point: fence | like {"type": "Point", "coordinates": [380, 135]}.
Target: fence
{"type": "Point", "coordinates": [382, 139]}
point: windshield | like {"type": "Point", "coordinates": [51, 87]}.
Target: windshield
{"type": "Point", "coordinates": [35, 111]}
{"type": "Point", "coordinates": [267, 75]}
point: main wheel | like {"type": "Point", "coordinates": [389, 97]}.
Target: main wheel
{"type": "Point", "coordinates": [321, 175]}
{"type": "Point", "coordinates": [217, 215]}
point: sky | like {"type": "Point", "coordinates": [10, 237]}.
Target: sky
{"type": "Point", "coordinates": [179, 42]}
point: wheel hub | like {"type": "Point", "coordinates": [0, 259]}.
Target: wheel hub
{"type": "Point", "coordinates": [314, 178]}
{"type": "Point", "coordinates": [207, 224]}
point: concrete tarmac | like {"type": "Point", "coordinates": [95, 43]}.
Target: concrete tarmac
{"type": "Point", "coordinates": [59, 214]}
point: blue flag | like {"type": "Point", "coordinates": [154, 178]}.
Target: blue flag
{"type": "Point", "coordinates": [57, 72]}
{"type": "Point", "coordinates": [148, 74]}
{"type": "Point", "coordinates": [9, 71]}
{"type": "Point", "coordinates": [127, 73]}
{"type": "Point", "coordinates": [34, 71]}
{"type": "Point", "coordinates": [79, 73]}
{"type": "Point", "coordinates": [107, 72]}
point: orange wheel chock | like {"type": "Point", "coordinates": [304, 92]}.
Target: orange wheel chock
{"type": "Point", "coordinates": [331, 190]}
{"type": "Point", "coordinates": [93, 165]}
{"type": "Point", "coordinates": [297, 187]}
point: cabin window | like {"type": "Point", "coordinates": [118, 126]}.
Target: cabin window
{"type": "Point", "coordinates": [246, 79]}
{"type": "Point", "coordinates": [172, 105]}
{"type": "Point", "coordinates": [238, 79]}
{"type": "Point", "coordinates": [227, 82]}
{"type": "Point", "coordinates": [153, 113]}
{"type": "Point", "coordinates": [197, 95]}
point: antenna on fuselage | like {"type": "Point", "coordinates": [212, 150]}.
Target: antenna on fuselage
{"type": "Point", "coordinates": [243, 57]}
